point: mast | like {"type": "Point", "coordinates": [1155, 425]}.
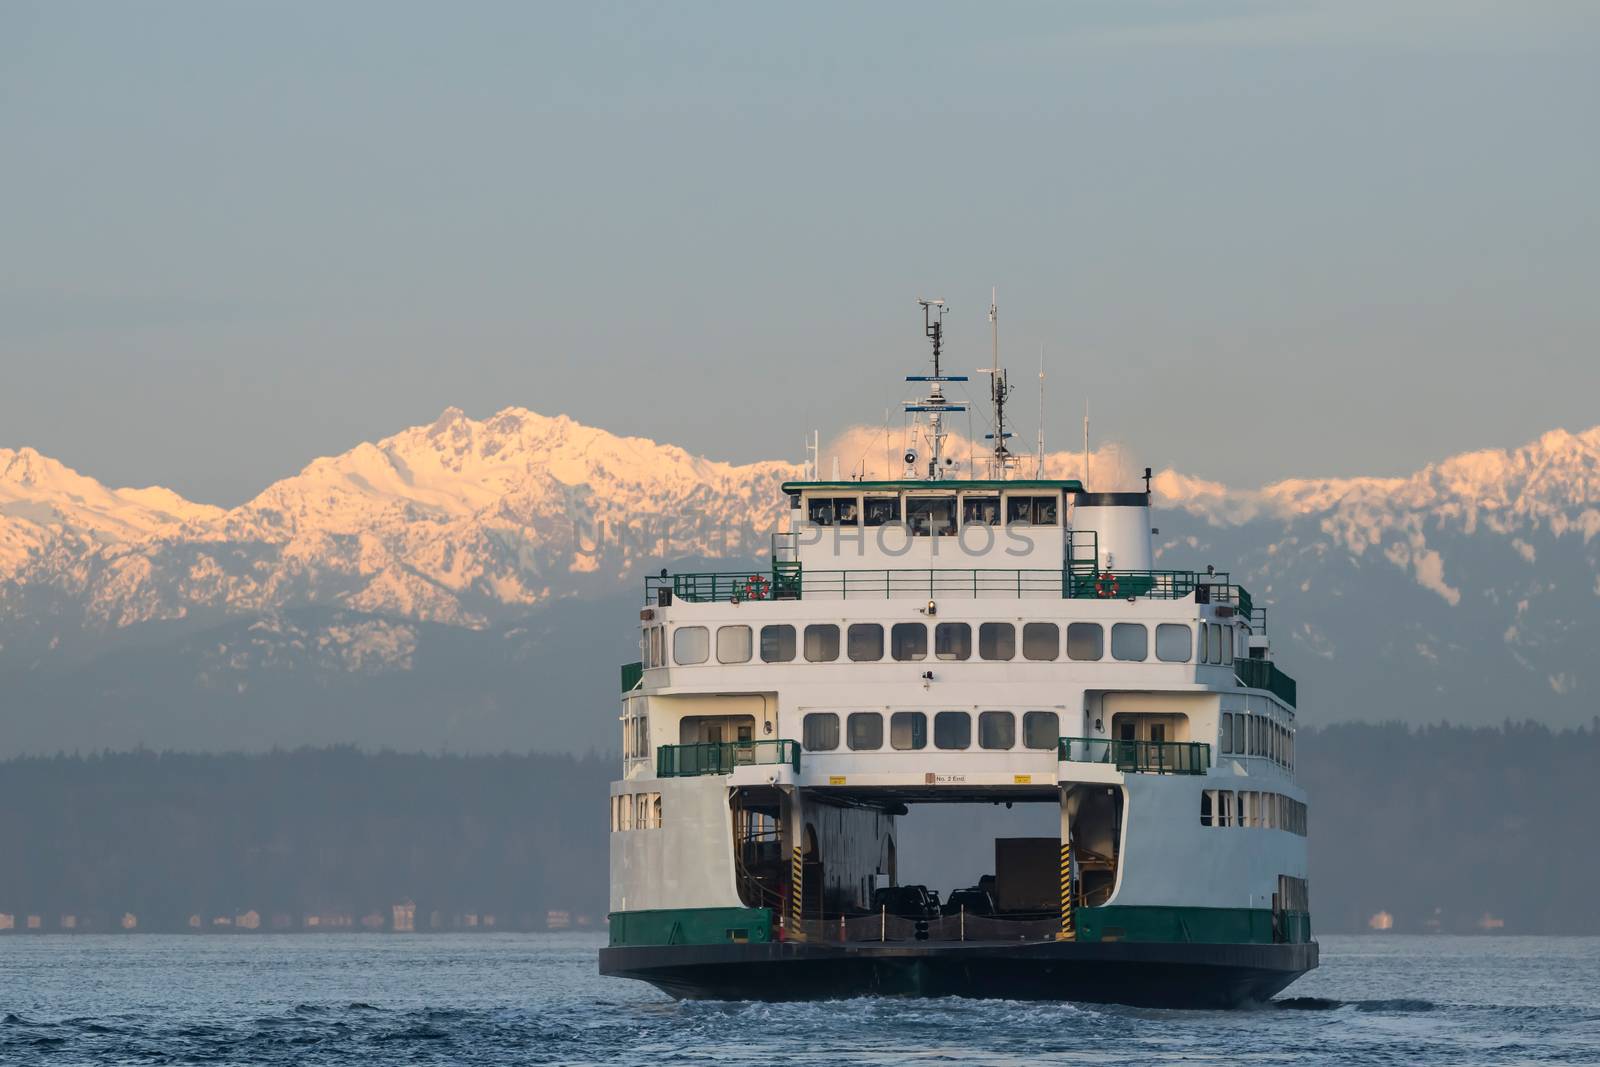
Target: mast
{"type": "Point", "coordinates": [1001, 460]}
{"type": "Point", "coordinates": [935, 405]}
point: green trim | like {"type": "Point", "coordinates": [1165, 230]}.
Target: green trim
{"type": "Point", "coordinates": [690, 926]}
{"type": "Point", "coordinates": [632, 675]}
{"type": "Point", "coordinates": [1212, 926]}
{"type": "Point", "coordinates": [953, 484]}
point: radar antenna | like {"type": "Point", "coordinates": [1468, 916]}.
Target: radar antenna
{"type": "Point", "coordinates": [935, 405]}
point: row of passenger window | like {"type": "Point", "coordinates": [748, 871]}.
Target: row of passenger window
{"type": "Point", "coordinates": [908, 730]}
{"type": "Point", "coordinates": [1271, 811]}
{"type": "Point", "coordinates": [636, 811]}
{"type": "Point", "coordinates": [932, 516]}
{"type": "Point", "coordinates": [1257, 735]}
{"type": "Point", "coordinates": [863, 642]}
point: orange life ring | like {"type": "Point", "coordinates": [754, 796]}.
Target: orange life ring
{"type": "Point", "coordinates": [755, 588]}
{"type": "Point", "coordinates": [1105, 586]}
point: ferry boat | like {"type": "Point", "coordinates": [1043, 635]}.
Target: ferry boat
{"type": "Point", "coordinates": [945, 637]}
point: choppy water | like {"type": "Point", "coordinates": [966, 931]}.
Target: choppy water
{"type": "Point", "coordinates": [536, 999]}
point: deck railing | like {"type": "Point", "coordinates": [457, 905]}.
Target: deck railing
{"type": "Point", "coordinates": [789, 581]}
{"type": "Point", "coordinates": [687, 761]}
{"type": "Point", "coordinates": [1264, 674]}
{"type": "Point", "coordinates": [1137, 757]}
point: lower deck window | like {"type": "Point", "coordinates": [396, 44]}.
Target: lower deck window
{"type": "Point", "coordinates": [908, 730]}
{"type": "Point", "coordinates": [864, 731]}
{"type": "Point", "coordinates": [952, 641]}
{"type": "Point", "coordinates": [1040, 729]}
{"type": "Point", "coordinates": [997, 730]}
{"type": "Point", "coordinates": [819, 731]}
{"type": "Point", "coordinates": [777, 643]}
{"type": "Point", "coordinates": [952, 730]}
{"type": "Point", "coordinates": [1041, 641]}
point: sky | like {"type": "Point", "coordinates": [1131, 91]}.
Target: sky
{"type": "Point", "coordinates": [1262, 239]}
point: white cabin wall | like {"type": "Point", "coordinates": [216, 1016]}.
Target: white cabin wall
{"type": "Point", "coordinates": [685, 863]}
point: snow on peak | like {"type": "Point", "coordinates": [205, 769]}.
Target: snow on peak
{"type": "Point", "coordinates": [44, 504]}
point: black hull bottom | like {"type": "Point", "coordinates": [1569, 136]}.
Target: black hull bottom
{"type": "Point", "coordinates": [1148, 975]}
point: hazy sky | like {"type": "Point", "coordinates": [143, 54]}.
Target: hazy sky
{"type": "Point", "coordinates": [1265, 238]}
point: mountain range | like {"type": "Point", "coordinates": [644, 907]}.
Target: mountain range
{"type": "Point", "coordinates": [471, 584]}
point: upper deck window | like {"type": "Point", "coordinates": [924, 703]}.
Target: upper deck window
{"type": "Point", "coordinates": [1041, 640]}
{"type": "Point", "coordinates": [931, 516]}
{"type": "Point", "coordinates": [1173, 642]}
{"type": "Point", "coordinates": [908, 641]}
{"type": "Point", "coordinates": [980, 511]}
{"type": "Point", "coordinates": [997, 640]}
{"type": "Point", "coordinates": [1085, 640]}
{"type": "Point", "coordinates": [733, 644]}
{"type": "Point", "coordinates": [1031, 510]}
{"type": "Point", "coordinates": [822, 643]}
{"type": "Point", "coordinates": [777, 643]}
{"type": "Point", "coordinates": [834, 511]}
{"type": "Point", "coordinates": [864, 642]}
{"type": "Point", "coordinates": [690, 644]}
{"type": "Point", "coordinates": [1130, 641]}
{"type": "Point", "coordinates": [882, 510]}
{"type": "Point", "coordinates": [952, 640]}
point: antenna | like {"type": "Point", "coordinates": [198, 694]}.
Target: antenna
{"type": "Point", "coordinates": [1039, 443]}
{"type": "Point", "coordinates": [1002, 459]}
{"type": "Point", "coordinates": [811, 457]}
{"type": "Point", "coordinates": [935, 405]}
{"type": "Point", "coordinates": [1086, 442]}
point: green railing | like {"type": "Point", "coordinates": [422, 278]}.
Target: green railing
{"type": "Point", "coordinates": [1264, 674]}
{"type": "Point", "coordinates": [787, 581]}
{"type": "Point", "coordinates": [687, 761]}
{"type": "Point", "coordinates": [1137, 757]}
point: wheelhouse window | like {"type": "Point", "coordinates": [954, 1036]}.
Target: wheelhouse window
{"type": "Point", "coordinates": [881, 510]}
{"type": "Point", "coordinates": [1041, 641]}
{"type": "Point", "coordinates": [952, 730]}
{"type": "Point", "coordinates": [833, 511]}
{"type": "Point", "coordinates": [931, 516]}
{"type": "Point", "coordinates": [1173, 641]}
{"type": "Point", "coordinates": [733, 644]}
{"type": "Point", "coordinates": [1130, 641]}
{"type": "Point", "coordinates": [819, 731]}
{"type": "Point", "coordinates": [865, 731]}
{"type": "Point", "coordinates": [908, 641]}
{"type": "Point", "coordinates": [997, 730]}
{"type": "Point", "coordinates": [997, 640]}
{"type": "Point", "coordinates": [691, 644]}
{"type": "Point", "coordinates": [908, 730]}
{"type": "Point", "coordinates": [777, 643]}
{"type": "Point", "coordinates": [952, 641]}
{"type": "Point", "coordinates": [1204, 651]}
{"type": "Point", "coordinates": [864, 642]}
{"type": "Point", "coordinates": [1205, 806]}
{"type": "Point", "coordinates": [1031, 510]}
{"type": "Point", "coordinates": [822, 642]}
{"type": "Point", "coordinates": [1085, 640]}
{"type": "Point", "coordinates": [1040, 729]}
{"type": "Point", "coordinates": [980, 511]}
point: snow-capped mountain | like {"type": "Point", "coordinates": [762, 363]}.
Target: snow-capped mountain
{"type": "Point", "coordinates": [401, 593]}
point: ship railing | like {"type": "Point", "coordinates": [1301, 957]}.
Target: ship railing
{"type": "Point", "coordinates": [958, 926]}
{"type": "Point", "coordinates": [1264, 674]}
{"type": "Point", "coordinates": [722, 757]}
{"type": "Point", "coordinates": [1137, 757]}
{"type": "Point", "coordinates": [1075, 581]}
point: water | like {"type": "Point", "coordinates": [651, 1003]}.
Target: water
{"type": "Point", "coordinates": [536, 999]}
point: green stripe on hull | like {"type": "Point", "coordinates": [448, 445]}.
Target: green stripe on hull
{"type": "Point", "coordinates": [1213, 926]}
{"type": "Point", "coordinates": [691, 926]}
